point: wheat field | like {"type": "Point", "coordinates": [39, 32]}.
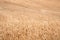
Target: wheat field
{"type": "Point", "coordinates": [29, 19]}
